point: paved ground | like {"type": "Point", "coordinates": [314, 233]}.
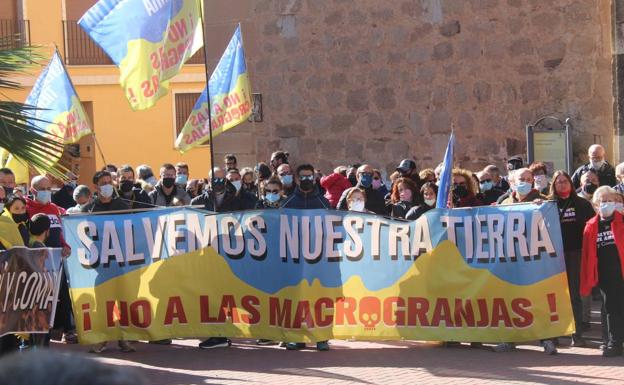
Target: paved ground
{"type": "Point", "coordinates": [348, 362]}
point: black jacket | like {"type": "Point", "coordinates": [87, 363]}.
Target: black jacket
{"type": "Point", "coordinates": [96, 206]}
{"type": "Point", "coordinates": [490, 196]}
{"type": "Point", "coordinates": [138, 200]}
{"type": "Point", "coordinates": [231, 202]}
{"type": "Point", "coordinates": [64, 197]}
{"type": "Point", "coordinates": [301, 200]}
{"type": "Point", "coordinates": [400, 209]}
{"type": "Point", "coordinates": [416, 211]}
{"type": "Point", "coordinates": [606, 175]}
{"type": "Point", "coordinates": [574, 212]}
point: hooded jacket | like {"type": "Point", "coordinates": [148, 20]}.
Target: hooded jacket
{"type": "Point", "coordinates": [589, 254]}
{"type": "Point", "coordinates": [334, 184]}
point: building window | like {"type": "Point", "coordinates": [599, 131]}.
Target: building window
{"type": "Point", "coordinates": [14, 33]}
{"type": "Point", "coordinates": [184, 103]}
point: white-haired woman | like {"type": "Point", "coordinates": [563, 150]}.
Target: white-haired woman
{"type": "Point", "coordinates": [602, 263]}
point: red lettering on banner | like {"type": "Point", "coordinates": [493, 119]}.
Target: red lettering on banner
{"type": "Point", "coordinates": [391, 316]}
{"type": "Point", "coordinates": [141, 314]}
{"type": "Point", "coordinates": [500, 313]}
{"type": "Point", "coordinates": [519, 307]}
{"type": "Point", "coordinates": [228, 309]}
{"type": "Point", "coordinates": [204, 311]}
{"type": "Point", "coordinates": [442, 312]}
{"type": "Point", "coordinates": [484, 321]}
{"type": "Point", "coordinates": [464, 312]}
{"type": "Point", "coordinates": [175, 310]}
{"type": "Point", "coordinates": [303, 315]}
{"type": "Point", "coordinates": [116, 313]}
{"type": "Point", "coordinates": [250, 304]}
{"type": "Point", "coordinates": [279, 316]}
{"type": "Point", "coordinates": [345, 308]}
{"type": "Point", "coordinates": [417, 308]}
{"type": "Point", "coordinates": [322, 319]}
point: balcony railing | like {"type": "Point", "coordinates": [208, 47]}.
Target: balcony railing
{"type": "Point", "coordinates": [81, 50]}
{"type": "Point", "coordinates": [14, 33]}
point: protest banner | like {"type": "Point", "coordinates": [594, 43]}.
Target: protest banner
{"type": "Point", "coordinates": [478, 274]}
{"type": "Point", "coordinates": [29, 285]}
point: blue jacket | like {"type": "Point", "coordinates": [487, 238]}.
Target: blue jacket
{"type": "Point", "coordinates": [301, 200]}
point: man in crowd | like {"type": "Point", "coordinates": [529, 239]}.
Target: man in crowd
{"type": "Point", "coordinates": [278, 158]}
{"type": "Point", "coordinates": [284, 172]}
{"type": "Point", "coordinates": [7, 180]}
{"type": "Point", "coordinates": [131, 192]}
{"type": "Point", "coordinates": [488, 194]}
{"type": "Point", "coordinates": [106, 200]}
{"type": "Point", "coordinates": [246, 199]}
{"type": "Point", "coordinates": [407, 169]}
{"type": "Point", "coordinates": [374, 201]}
{"type": "Point", "coordinates": [146, 178]}
{"type": "Point", "coordinates": [82, 196]}
{"type": "Point", "coordinates": [41, 190]}
{"type": "Point", "coordinates": [166, 193]}
{"type": "Point", "coordinates": [498, 181]}
{"type": "Point", "coordinates": [523, 190]}
{"type": "Point", "coordinates": [220, 192]}
{"type": "Point", "coordinates": [64, 196]}
{"type": "Point", "coordinates": [230, 161]}
{"type": "Point", "coordinates": [598, 163]}
{"type": "Point", "coordinates": [182, 174]}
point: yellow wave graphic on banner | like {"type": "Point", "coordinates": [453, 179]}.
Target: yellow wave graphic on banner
{"type": "Point", "coordinates": [439, 298]}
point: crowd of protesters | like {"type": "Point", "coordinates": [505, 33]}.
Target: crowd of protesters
{"type": "Point", "coordinates": [590, 205]}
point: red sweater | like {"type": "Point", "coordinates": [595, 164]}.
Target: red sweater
{"type": "Point", "coordinates": [589, 257]}
{"type": "Point", "coordinates": [54, 212]}
{"type": "Point", "coordinates": [334, 185]}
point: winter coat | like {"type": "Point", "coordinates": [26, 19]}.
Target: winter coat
{"type": "Point", "coordinates": [334, 184]}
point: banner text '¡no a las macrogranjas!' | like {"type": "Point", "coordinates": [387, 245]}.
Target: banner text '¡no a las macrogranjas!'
{"type": "Point", "coordinates": [484, 274]}
{"type": "Point", "coordinates": [149, 40]}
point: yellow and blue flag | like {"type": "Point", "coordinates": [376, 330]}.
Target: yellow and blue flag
{"type": "Point", "coordinates": [230, 97]}
{"type": "Point", "coordinates": [149, 40]}
{"type": "Point", "coordinates": [59, 112]}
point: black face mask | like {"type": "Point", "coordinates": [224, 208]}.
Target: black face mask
{"type": "Point", "coordinates": [589, 188]}
{"type": "Point", "coordinates": [168, 182]}
{"type": "Point", "coordinates": [306, 185]}
{"type": "Point", "coordinates": [353, 179]}
{"type": "Point", "coordinates": [460, 191]}
{"type": "Point", "coordinates": [126, 186]}
{"type": "Point", "coordinates": [18, 218]}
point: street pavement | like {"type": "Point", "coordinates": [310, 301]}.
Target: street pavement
{"type": "Point", "coordinates": [359, 362]}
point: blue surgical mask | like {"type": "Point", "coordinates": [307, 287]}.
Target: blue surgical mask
{"type": "Point", "coordinates": [44, 197]}
{"type": "Point", "coordinates": [272, 197]}
{"type": "Point", "coordinates": [485, 186]}
{"type": "Point", "coordinates": [181, 179]}
{"type": "Point", "coordinates": [606, 209]}
{"type": "Point", "coordinates": [366, 180]}
{"type": "Point", "coordinates": [287, 180]}
{"type": "Point", "coordinates": [523, 188]}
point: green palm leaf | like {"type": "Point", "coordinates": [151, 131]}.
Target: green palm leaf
{"type": "Point", "coordinates": [19, 133]}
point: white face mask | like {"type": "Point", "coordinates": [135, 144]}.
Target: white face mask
{"type": "Point", "coordinates": [596, 164]}
{"type": "Point", "coordinates": [541, 182]}
{"type": "Point", "coordinates": [106, 190]}
{"type": "Point", "coordinates": [606, 209]}
{"type": "Point", "coordinates": [357, 206]}
{"type": "Point", "coordinates": [237, 184]}
{"type": "Point", "coordinates": [430, 202]}
{"type": "Point", "coordinates": [619, 207]}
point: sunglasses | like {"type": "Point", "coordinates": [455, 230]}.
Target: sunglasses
{"type": "Point", "coordinates": [218, 180]}
{"type": "Point", "coordinates": [306, 177]}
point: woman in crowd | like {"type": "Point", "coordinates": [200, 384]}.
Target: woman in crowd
{"type": "Point", "coordinates": [540, 177]}
{"type": "Point", "coordinates": [249, 184]}
{"type": "Point", "coordinates": [464, 191]}
{"type": "Point", "coordinates": [602, 263]}
{"type": "Point", "coordinates": [16, 206]}
{"type": "Point", "coordinates": [427, 175]}
{"type": "Point", "coordinates": [404, 196]}
{"type": "Point", "coordinates": [335, 184]}
{"type": "Point", "coordinates": [273, 194]}
{"type": "Point", "coordinates": [378, 183]}
{"type": "Point", "coordinates": [589, 184]}
{"type": "Point", "coordinates": [356, 200]}
{"type": "Point", "coordinates": [429, 192]}
{"type": "Point", "coordinates": [574, 212]}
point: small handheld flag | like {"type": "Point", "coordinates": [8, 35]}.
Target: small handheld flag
{"type": "Point", "coordinates": [149, 40]}
{"type": "Point", "coordinates": [230, 97]}
{"type": "Point", "coordinates": [446, 175]}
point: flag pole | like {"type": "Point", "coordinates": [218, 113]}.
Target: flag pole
{"type": "Point", "coordinates": [212, 165]}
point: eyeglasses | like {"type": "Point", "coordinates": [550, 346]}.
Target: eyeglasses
{"type": "Point", "coordinates": [272, 191]}
{"type": "Point", "coordinates": [306, 177]}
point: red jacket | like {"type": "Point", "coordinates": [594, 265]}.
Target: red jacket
{"type": "Point", "coordinates": [53, 212]}
{"type": "Point", "coordinates": [589, 257]}
{"type": "Point", "coordinates": [334, 185]}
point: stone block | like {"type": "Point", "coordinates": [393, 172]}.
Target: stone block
{"type": "Point", "coordinates": [384, 98]}
{"type": "Point", "coordinates": [357, 100]}
{"type": "Point", "coordinates": [530, 90]}
{"type": "Point", "coordinates": [334, 18]}
{"type": "Point", "coordinates": [417, 55]}
{"type": "Point", "coordinates": [482, 91]}
{"type": "Point", "coordinates": [439, 96]}
{"type": "Point", "coordinates": [522, 46]}
{"type": "Point", "coordinates": [290, 130]}
{"type": "Point", "coordinates": [450, 28]}
{"type": "Point", "coordinates": [465, 121]}
{"type": "Point", "coordinates": [417, 95]}
{"type": "Point", "coordinates": [439, 121]}
{"type": "Point", "coordinates": [342, 122]}
{"type": "Point", "coordinates": [339, 80]}
{"type": "Point", "coordinates": [442, 51]}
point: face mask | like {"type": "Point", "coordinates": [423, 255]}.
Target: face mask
{"type": "Point", "coordinates": [181, 179]}
{"type": "Point", "coordinates": [287, 180]}
{"type": "Point", "coordinates": [106, 190]}
{"type": "Point", "coordinates": [376, 184]}
{"type": "Point", "coordinates": [44, 197]}
{"type": "Point", "coordinates": [307, 185]}
{"type": "Point", "coordinates": [523, 188]}
{"type": "Point", "coordinates": [589, 188]}
{"type": "Point", "coordinates": [485, 186]}
{"type": "Point", "coordinates": [596, 164]}
{"type": "Point", "coordinates": [168, 182]}
{"type": "Point", "coordinates": [19, 218]}
{"type": "Point", "coordinates": [366, 180]}
{"type": "Point", "coordinates": [272, 197]}
{"type": "Point", "coordinates": [541, 182]}
{"type": "Point", "coordinates": [460, 190]}
{"type": "Point", "coordinates": [405, 195]}
{"type": "Point", "coordinates": [353, 179]}
{"type": "Point", "coordinates": [430, 202]}
{"type": "Point", "coordinates": [619, 207]}
{"type": "Point", "coordinates": [237, 184]}
{"type": "Point", "coordinates": [8, 191]}
{"type": "Point", "coordinates": [152, 180]}
{"type": "Point", "coordinates": [606, 209]}
{"type": "Point", "coordinates": [357, 206]}
{"type": "Point", "coordinates": [126, 186]}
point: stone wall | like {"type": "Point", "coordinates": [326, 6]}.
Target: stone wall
{"type": "Point", "coordinates": [377, 81]}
